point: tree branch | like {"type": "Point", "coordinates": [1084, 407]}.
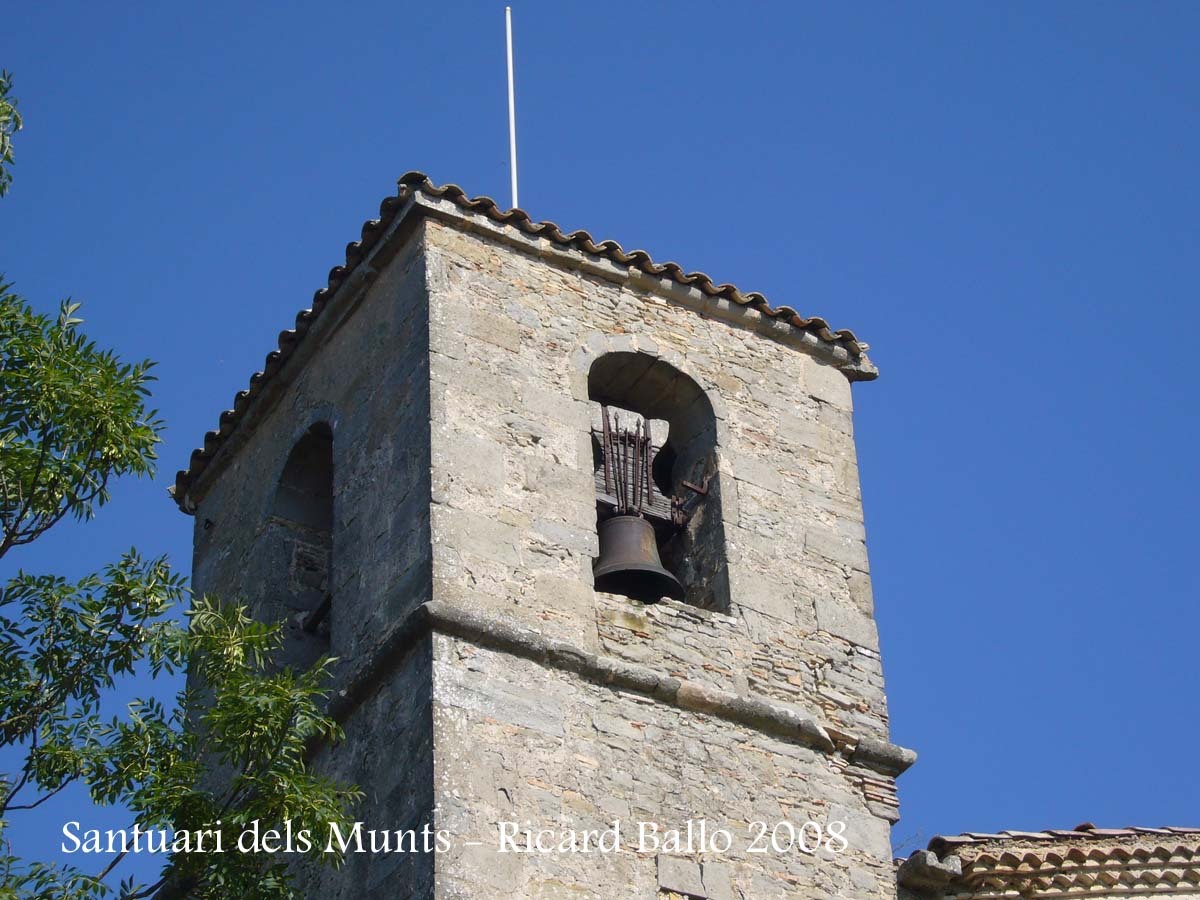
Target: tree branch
{"type": "Point", "coordinates": [36, 803]}
{"type": "Point", "coordinates": [112, 865]}
{"type": "Point", "coordinates": [146, 891]}
{"type": "Point", "coordinates": [33, 744]}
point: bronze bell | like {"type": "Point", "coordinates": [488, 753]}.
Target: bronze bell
{"type": "Point", "coordinates": [629, 563]}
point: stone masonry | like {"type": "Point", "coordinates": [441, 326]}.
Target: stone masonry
{"type": "Point", "coordinates": [482, 678]}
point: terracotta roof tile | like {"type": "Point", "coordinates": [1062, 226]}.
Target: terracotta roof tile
{"type": "Point", "coordinates": [579, 241]}
{"type": "Point", "coordinates": [1080, 862]}
{"type": "Point", "coordinates": [1081, 833]}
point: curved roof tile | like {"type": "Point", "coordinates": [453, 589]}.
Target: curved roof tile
{"type": "Point", "coordinates": [580, 241]}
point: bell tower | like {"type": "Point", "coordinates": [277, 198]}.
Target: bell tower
{"type": "Point", "coordinates": [585, 532]}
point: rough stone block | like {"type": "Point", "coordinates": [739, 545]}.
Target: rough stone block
{"type": "Point", "coordinates": [864, 832]}
{"type": "Point", "coordinates": [483, 693]}
{"type": "Point", "coordinates": [681, 876]}
{"type": "Point", "coordinates": [861, 592]}
{"type": "Point", "coordinates": [474, 461]}
{"type": "Point", "coordinates": [771, 597]}
{"type": "Point", "coordinates": [718, 881]}
{"type": "Point", "coordinates": [560, 536]}
{"type": "Point", "coordinates": [761, 472]}
{"type": "Point", "coordinates": [846, 622]}
{"type": "Point", "coordinates": [494, 327]}
{"type": "Point", "coordinates": [825, 382]}
{"type": "Point", "coordinates": [477, 534]}
{"type": "Point", "coordinates": [835, 546]}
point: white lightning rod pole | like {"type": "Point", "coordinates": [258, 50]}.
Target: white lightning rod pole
{"type": "Point", "coordinates": [512, 108]}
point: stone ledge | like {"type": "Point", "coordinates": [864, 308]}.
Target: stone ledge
{"type": "Point", "coordinates": [923, 871]}
{"type": "Point", "coordinates": [358, 682]}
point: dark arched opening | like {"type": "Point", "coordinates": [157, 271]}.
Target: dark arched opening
{"type": "Point", "coordinates": [646, 395]}
{"type": "Point", "coordinates": [302, 518]}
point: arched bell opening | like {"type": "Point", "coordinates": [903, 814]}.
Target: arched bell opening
{"type": "Point", "coordinates": [301, 537]}
{"type": "Point", "coordinates": [657, 486]}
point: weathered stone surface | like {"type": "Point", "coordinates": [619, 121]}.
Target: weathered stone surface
{"type": "Point", "coordinates": [846, 622]}
{"type": "Point", "coordinates": [836, 546]}
{"type": "Point", "coordinates": [621, 756]}
{"type": "Point", "coordinates": [680, 875]}
{"type": "Point", "coordinates": [457, 394]}
{"type": "Point", "coordinates": [923, 870]}
{"type": "Point", "coordinates": [718, 881]}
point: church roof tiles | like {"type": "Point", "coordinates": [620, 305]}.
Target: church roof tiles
{"type": "Point", "coordinates": [581, 242]}
{"type": "Point", "coordinates": [1085, 832]}
{"type": "Point", "coordinates": [1080, 862]}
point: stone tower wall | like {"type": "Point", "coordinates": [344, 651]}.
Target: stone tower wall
{"type": "Point", "coordinates": [482, 678]}
{"type": "Point", "coordinates": [512, 338]}
{"type": "Point", "coordinates": [365, 374]}
{"type": "Point", "coordinates": [368, 379]}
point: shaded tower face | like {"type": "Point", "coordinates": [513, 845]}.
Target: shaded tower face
{"type": "Point", "coordinates": [298, 539]}
{"type": "Point", "coordinates": [454, 380]}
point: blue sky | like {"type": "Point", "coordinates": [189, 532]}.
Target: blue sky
{"type": "Point", "coordinates": [1000, 198]}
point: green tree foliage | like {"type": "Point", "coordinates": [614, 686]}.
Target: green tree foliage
{"type": "Point", "coordinates": [71, 418]}
{"type": "Point", "coordinates": [234, 747]}
{"type": "Point", "coordinates": [10, 124]}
